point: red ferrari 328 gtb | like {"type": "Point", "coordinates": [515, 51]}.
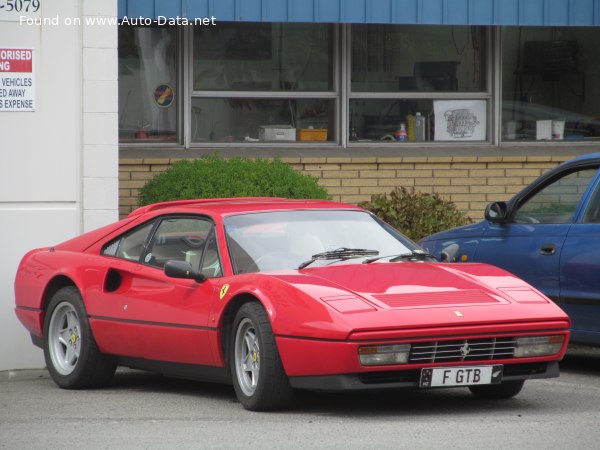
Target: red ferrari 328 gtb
{"type": "Point", "coordinates": [275, 295]}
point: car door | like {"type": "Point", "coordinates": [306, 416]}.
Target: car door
{"type": "Point", "coordinates": [580, 271]}
{"type": "Point", "coordinates": [157, 317]}
{"type": "Point", "coordinates": [529, 245]}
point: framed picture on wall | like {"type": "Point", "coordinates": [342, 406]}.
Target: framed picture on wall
{"type": "Point", "coordinates": [460, 120]}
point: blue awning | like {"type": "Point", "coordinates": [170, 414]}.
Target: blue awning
{"type": "Point", "coordinates": [435, 12]}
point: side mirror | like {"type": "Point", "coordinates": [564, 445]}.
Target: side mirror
{"type": "Point", "coordinates": [182, 269]}
{"type": "Point", "coordinates": [449, 253]}
{"type": "Point", "coordinates": [497, 212]}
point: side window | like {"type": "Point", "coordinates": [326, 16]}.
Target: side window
{"type": "Point", "coordinates": [211, 264]}
{"type": "Point", "coordinates": [557, 202]}
{"type": "Point", "coordinates": [181, 239]}
{"type": "Point", "coordinates": [129, 246]}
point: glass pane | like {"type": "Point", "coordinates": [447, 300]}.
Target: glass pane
{"type": "Point", "coordinates": [550, 83]}
{"type": "Point", "coordinates": [147, 84]}
{"type": "Point", "coordinates": [179, 240]}
{"type": "Point", "coordinates": [557, 202]}
{"type": "Point", "coordinates": [261, 119]}
{"type": "Point", "coordinates": [389, 58]}
{"type": "Point", "coordinates": [263, 57]}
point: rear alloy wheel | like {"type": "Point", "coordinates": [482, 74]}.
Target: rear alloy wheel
{"type": "Point", "coordinates": [507, 389]}
{"type": "Point", "coordinates": [71, 353]}
{"type": "Point", "coordinates": [259, 380]}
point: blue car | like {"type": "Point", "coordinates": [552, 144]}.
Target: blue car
{"type": "Point", "coordinates": [549, 235]}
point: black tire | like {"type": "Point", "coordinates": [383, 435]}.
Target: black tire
{"type": "Point", "coordinates": [71, 353]}
{"type": "Point", "coordinates": [262, 385]}
{"type": "Point", "coordinates": [507, 389]}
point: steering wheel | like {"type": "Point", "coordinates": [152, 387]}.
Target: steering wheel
{"type": "Point", "coordinates": [191, 241]}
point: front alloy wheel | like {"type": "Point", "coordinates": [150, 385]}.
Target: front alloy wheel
{"type": "Point", "coordinates": [258, 377]}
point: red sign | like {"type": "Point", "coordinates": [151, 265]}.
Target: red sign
{"type": "Point", "coordinates": [16, 60]}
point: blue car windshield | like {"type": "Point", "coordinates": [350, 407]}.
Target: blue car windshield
{"type": "Point", "coordinates": [283, 240]}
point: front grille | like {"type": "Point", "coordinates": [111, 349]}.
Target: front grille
{"type": "Point", "coordinates": [462, 350]}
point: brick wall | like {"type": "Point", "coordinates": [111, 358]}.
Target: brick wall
{"type": "Point", "coordinates": [471, 182]}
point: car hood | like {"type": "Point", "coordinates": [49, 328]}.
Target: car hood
{"type": "Point", "coordinates": [466, 231]}
{"type": "Point", "coordinates": [409, 295]}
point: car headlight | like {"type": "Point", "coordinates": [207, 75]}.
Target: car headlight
{"type": "Point", "coordinates": [382, 355]}
{"type": "Point", "coordinates": [538, 345]}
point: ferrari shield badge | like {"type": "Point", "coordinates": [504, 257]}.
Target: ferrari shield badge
{"type": "Point", "coordinates": [223, 291]}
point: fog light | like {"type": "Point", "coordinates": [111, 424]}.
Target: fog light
{"type": "Point", "coordinates": [382, 355]}
{"type": "Point", "coordinates": [538, 345]}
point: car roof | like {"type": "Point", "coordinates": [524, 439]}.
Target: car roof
{"type": "Point", "coordinates": [238, 205]}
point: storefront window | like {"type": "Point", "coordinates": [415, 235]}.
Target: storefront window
{"type": "Point", "coordinates": [263, 82]}
{"type": "Point", "coordinates": [388, 58]}
{"type": "Point", "coordinates": [550, 84]}
{"type": "Point", "coordinates": [408, 84]}
{"type": "Point", "coordinates": [262, 120]}
{"type": "Point", "coordinates": [147, 84]}
{"type": "Point", "coordinates": [263, 57]}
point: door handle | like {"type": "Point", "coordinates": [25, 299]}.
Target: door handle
{"type": "Point", "coordinates": [548, 248]}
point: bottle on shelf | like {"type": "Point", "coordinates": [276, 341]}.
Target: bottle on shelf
{"type": "Point", "coordinates": [400, 134]}
{"type": "Point", "coordinates": [419, 127]}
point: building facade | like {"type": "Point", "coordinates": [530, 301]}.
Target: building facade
{"type": "Point", "coordinates": [468, 98]}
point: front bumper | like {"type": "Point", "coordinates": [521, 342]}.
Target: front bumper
{"type": "Point", "coordinates": [403, 379]}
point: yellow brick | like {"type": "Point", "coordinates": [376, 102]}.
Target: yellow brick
{"type": "Point", "coordinates": [124, 175]}
{"type": "Point", "coordinates": [354, 199]}
{"type": "Point", "coordinates": [488, 189]}
{"type": "Point", "coordinates": [128, 202]}
{"type": "Point", "coordinates": [360, 182]}
{"type": "Point", "coordinates": [138, 168]}
{"type": "Point", "coordinates": [414, 173]}
{"type": "Point", "coordinates": [468, 165]}
{"type": "Point", "coordinates": [396, 166]}
{"type": "Point", "coordinates": [464, 159]}
{"type": "Point", "coordinates": [468, 181]}
{"type": "Point", "coordinates": [313, 167]}
{"type": "Point", "coordinates": [329, 182]}
{"type": "Point", "coordinates": [393, 182]}
{"type": "Point", "coordinates": [468, 198]}
{"type": "Point", "coordinates": [414, 159]}
{"type": "Point", "coordinates": [124, 193]}
{"type": "Point", "coordinates": [374, 190]}
{"type": "Point", "coordinates": [343, 190]}
{"type": "Point", "coordinates": [434, 181]}
{"type": "Point", "coordinates": [433, 166]}
{"type": "Point", "coordinates": [452, 189]}
{"type": "Point", "coordinates": [505, 165]}
{"type": "Point", "coordinates": [359, 166]}
{"type": "Point", "coordinates": [137, 184]}
{"type": "Point", "coordinates": [339, 160]}
{"type": "Point", "coordinates": [341, 174]}
{"type": "Point", "coordinates": [313, 160]}
{"type": "Point", "coordinates": [439, 159]}
{"type": "Point", "coordinates": [390, 159]}
{"type": "Point", "coordinates": [513, 189]}
{"type": "Point", "coordinates": [514, 158]}
{"type": "Point", "coordinates": [489, 159]}
{"type": "Point", "coordinates": [451, 173]}
{"type": "Point", "coordinates": [486, 173]}
{"type": "Point", "coordinates": [505, 181]}
{"type": "Point", "coordinates": [363, 159]}
{"type": "Point", "coordinates": [142, 175]}
{"type": "Point", "coordinates": [377, 173]}
{"type": "Point", "coordinates": [523, 172]}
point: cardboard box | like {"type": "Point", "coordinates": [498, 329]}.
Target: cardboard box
{"type": "Point", "coordinates": [277, 133]}
{"type": "Point", "coordinates": [312, 134]}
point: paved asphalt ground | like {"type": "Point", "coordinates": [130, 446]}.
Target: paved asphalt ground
{"type": "Point", "coordinates": [141, 410]}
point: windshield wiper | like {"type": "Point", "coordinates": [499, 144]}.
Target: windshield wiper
{"type": "Point", "coordinates": [414, 255]}
{"type": "Point", "coordinates": [340, 253]}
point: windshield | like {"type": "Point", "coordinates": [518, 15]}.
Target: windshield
{"type": "Point", "coordinates": [260, 242]}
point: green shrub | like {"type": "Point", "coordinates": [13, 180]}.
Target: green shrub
{"type": "Point", "coordinates": [416, 214]}
{"type": "Point", "coordinates": [214, 177]}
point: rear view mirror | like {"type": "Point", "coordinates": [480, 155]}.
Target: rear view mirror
{"type": "Point", "coordinates": [497, 212]}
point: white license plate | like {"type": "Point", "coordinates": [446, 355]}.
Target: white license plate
{"type": "Point", "coordinates": [460, 376]}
